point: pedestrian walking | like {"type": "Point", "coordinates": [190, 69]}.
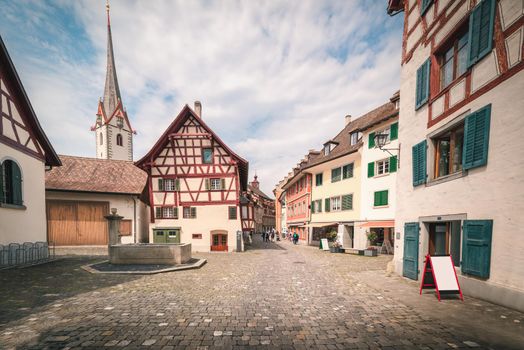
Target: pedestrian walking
{"type": "Point", "coordinates": [295, 238]}
{"type": "Point", "coordinates": [272, 236]}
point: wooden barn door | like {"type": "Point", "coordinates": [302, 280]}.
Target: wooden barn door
{"type": "Point", "coordinates": [77, 223]}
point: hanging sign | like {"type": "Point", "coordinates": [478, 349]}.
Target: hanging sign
{"type": "Point", "coordinates": [439, 273]}
{"type": "Point", "coordinates": [324, 244]}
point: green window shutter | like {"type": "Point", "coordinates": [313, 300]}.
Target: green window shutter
{"type": "Point", "coordinates": [177, 184]}
{"type": "Point", "coordinates": [347, 171]}
{"type": "Point", "coordinates": [318, 179]}
{"type": "Point", "coordinates": [319, 205]}
{"type": "Point", "coordinates": [176, 213]}
{"type": "Point", "coordinates": [422, 87]}
{"type": "Point", "coordinates": [425, 6]}
{"type": "Point", "coordinates": [392, 164]}
{"type": "Point", "coordinates": [327, 206]}
{"type": "Point", "coordinates": [371, 142]}
{"type": "Point", "coordinates": [476, 138]}
{"type": "Point", "coordinates": [1, 183]}
{"type": "Point", "coordinates": [312, 207]}
{"type": "Point", "coordinates": [223, 184]}
{"type": "Point", "coordinates": [232, 213]}
{"type": "Point", "coordinates": [476, 247]}
{"type": "Point", "coordinates": [206, 181]}
{"type": "Point", "coordinates": [394, 132]}
{"type": "Point", "coordinates": [193, 212]}
{"type": "Point", "coordinates": [480, 36]}
{"type": "Point", "coordinates": [158, 212]}
{"type": "Point", "coordinates": [16, 178]}
{"type": "Point", "coordinates": [419, 163]}
{"type": "Point", "coordinates": [381, 198]}
{"type": "Point", "coordinates": [347, 202]}
{"type": "Point", "coordinates": [371, 169]}
{"type": "Point", "coordinates": [384, 199]}
{"type": "Point", "coordinates": [376, 199]}
{"type": "Point", "coordinates": [160, 184]}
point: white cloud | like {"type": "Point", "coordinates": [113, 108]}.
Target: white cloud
{"type": "Point", "coordinates": [272, 75]}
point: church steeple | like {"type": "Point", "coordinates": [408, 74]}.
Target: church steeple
{"type": "Point", "coordinates": [114, 134]}
{"type": "Point", "coordinates": [111, 90]}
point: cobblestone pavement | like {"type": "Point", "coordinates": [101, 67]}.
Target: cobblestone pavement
{"type": "Point", "coordinates": [272, 296]}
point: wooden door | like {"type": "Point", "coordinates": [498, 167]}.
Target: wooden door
{"type": "Point", "coordinates": [77, 223]}
{"type": "Point", "coordinates": [410, 260]}
{"type": "Point", "coordinates": [219, 242]}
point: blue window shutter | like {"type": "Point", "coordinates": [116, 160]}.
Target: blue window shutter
{"type": "Point", "coordinates": [480, 36]}
{"type": "Point", "coordinates": [422, 92]}
{"type": "Point", "coordinates": [476, 247]}
{"type": "Point", "coordinates": [419, 163]}
{"type": "Point", "coordinates": [1, 183]}
{"type": "Point", "coordinates": [476, 138]}
{"type": "Point", "coordinates": [425, 6]}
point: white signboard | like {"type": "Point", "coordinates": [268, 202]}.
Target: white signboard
{"type": "Point", "coordinates": [444, 273]}
{"type": "Point", "coordinates": [325, 244]}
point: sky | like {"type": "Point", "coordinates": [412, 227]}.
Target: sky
{"type": "Point", "coordinates": [275, 78]}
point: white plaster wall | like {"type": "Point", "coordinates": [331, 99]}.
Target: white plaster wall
{"type": "Point", "coordinates": [493, 192]}
{"type": "Point", "coordinates": [369, 185]}
{"type": "Point", "coordinates": [209, 218]}
{"type": "Point", "coordinates": [25, 225]}
{"type": "Point", "coordinates": [123, 203]}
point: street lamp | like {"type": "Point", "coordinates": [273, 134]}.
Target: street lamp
{"type": "Point", "coordinates": [381, 139]}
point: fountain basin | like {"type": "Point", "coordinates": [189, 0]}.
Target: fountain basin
{"type": "Point", "coordinates": [150, 254]}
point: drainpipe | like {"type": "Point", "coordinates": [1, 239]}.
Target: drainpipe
{"type": "Point", "coordinates": [134, 220]}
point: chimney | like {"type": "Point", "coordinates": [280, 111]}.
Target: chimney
{"type": "Point", "coordinates": [347, 119]}
{"type": "Point", "coordinates": [198, 108]}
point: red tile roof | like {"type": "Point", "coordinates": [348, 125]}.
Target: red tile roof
{"type": "Point", "coordinates": [96, 175]}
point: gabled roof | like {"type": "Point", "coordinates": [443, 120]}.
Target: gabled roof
{"type": "Point", "coordinates": [185, 113]}
{"type": "Point", "coordinates": [258, 192]}
{"type": "Point", "coordinates": [80, 174]}
{"type": "Point", "coordinates": [27, 113]}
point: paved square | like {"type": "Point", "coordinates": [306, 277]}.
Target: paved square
{"type": "Point", "coordinates": [273, 296]}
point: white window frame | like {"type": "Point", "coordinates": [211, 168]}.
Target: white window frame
{"type": "Point", "coordinates": [335, 203]}
{"type": "Point", "coordinates": [169, 185]}
{"type": "Point", "coordinates": [215, 184]}
{"type": "Point", "coordinates": [378, 166]}
{"type": "Point", "coordinates": [168, 212]}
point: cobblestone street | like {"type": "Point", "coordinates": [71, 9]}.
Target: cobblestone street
{"type": "Point", "coordinates": [272, 296]}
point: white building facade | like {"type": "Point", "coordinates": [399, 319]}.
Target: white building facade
{"type": "Point", "coordinates": [460, 184]}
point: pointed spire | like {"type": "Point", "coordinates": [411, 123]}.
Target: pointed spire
{"type": "Point", "coordinates": [111, 90]}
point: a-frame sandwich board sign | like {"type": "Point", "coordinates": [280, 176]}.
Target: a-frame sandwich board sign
{"type": "Point", "coordinates": [439, 273]}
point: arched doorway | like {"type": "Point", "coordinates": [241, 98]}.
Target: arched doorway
{"type": "Point", "coordinates": [219, 241]}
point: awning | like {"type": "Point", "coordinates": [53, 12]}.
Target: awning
{"type": "Point", "coordinates": [294, 224]}
{"type": "Point", "coordinates": [322, 224]}
{"type": "Point", "coordinates": [387, 223]}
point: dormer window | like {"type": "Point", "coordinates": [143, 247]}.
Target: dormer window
{"type": "Point", "coordinates": [326, 149]}
{"type": "Point", "coordinates": [355, 137]}
{"type": "Point", "coordinates": [329, 146]}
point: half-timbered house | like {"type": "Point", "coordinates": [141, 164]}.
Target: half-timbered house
{"type": "Point", "coordinates": [25, 154]}
{"type": "Point", "coordinates": [460, 186]}
{"type": "Point", "coordinates": [195, 184]}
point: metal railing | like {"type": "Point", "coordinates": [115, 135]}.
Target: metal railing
{"type": "Point", "coordinates": [25, 254]}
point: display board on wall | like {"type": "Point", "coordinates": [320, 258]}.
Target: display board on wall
{"type": "Point", "coordinates": [439, 273]}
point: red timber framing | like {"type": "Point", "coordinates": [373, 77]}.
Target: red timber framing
{"type": "Point", "coordinates": [442, 16]}
{"type": "Point", "coordinates": [179, 156]}
{"type": "Point", "coordinates": [19, 126]}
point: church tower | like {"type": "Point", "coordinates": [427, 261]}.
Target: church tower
{"type": "Point", "coordinates": [114, 135]}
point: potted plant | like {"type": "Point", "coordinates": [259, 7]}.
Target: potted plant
{"type": "Point", "coordinates": [370, 251]}
{"type": "Point", "coordinates": [372, 237]}
{"type": "Point", "coordinates": [336, 247]}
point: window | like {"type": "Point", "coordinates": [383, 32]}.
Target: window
{"type": "Point", "coordinates": [166, 213]}
{"type": "Point", "coordinates": [326, 149]}
{"type": "Point", "coordinates": [381, 198]}
{"type": "Point", "coordinates": [318, 179]}
{"type": "Point", "coordinates": [207, 156]}
{"type": "Point", "coordinates": [454, 60]}
{"type": "Point", "coordinates": [355, 137]}
{"type": "Point", "coordinates": [335, 174]}
{"type": "Point", "coordinates": [189, 212]}
{"type": "Point", "coordinates": [425, 6]}
{"type": "Point", "coordinates": [347, 171]}
{"type": "Point", "coordinates": [10, 183]}
{"type": "Point", "coordinates": [168, 184]}
{"type": "Point", "coordinates": [422, 87]}
{"type": "Point", "coordinates": [196, 236]}
{"type": "Point", "coordinates": [383, 167]}
{"type": "Point", "coordinates": [119, 141]}
{"type": "Point", "coordinates": [448, 151]}
{"type": "Point", "coordinates": [335, 204]}
{"type": "Point", "coordinates": [215, 184]}
{"type": "Point", "coordinates": [101, 138]}
{"type": "Point", "coordinates": [232, 213]}
{"type": "Point", "coordinates": [317, 206]}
